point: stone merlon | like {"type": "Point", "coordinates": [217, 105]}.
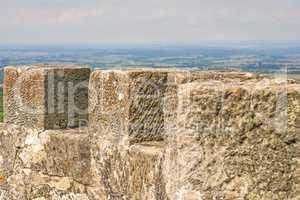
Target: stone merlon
{"type": "Point", "coordinates": [46, 96]}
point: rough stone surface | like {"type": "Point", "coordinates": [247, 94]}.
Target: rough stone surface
{"type": "Point", "coordinates": [59, 153]}
{"type": "Point", "coordinates": [130, 173]}
{"type": "Point", "coordinates": [235, 141]}
{"type": "Point", "coordinates": [46, 96]}
{"type": "Point", "coordinates": [53, 164]}
{"type": "Point", "coordinates": [203, 136]}
{"type": "Point", "coordinates": [32, 185]}
{"type": "Point", "coordinates": [178, 77]}
{"type": "Point", "coordinates": [128, 104]}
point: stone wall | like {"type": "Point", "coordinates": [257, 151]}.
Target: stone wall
{"type": "Point", "coordinates": [152, 134]}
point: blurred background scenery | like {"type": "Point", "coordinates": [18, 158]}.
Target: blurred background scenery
{"type": "Point", "coordinates": [255, 56]}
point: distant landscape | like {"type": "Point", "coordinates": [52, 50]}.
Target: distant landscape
{"type": "Point", "coordinates": [257, 56]}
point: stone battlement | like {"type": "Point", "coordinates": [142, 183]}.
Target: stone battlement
{"type": "Point", "coordinates": [148, 134]}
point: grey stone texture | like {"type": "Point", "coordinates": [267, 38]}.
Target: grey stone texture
{"type": "Point", "coordinates": [52, 96]}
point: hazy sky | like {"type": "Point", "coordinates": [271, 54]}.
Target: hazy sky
{"type": "Point", "coordinates": [147, 21]}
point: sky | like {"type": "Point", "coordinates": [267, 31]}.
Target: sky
{"type": "Point", "coordinates": [146, 21]}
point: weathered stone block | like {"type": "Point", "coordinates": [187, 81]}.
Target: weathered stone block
{"type": "Point", "coordinates": [128, 104]}
{"type": "Point", "coordinates": [63, 153]}
{"type": "Point", "coordinates": [46, 96]}
{"type": "Point", "coordinates": [177, 77]}
{"type": "Point", "coordinates": [53, 153]}
{"type": "Point", "coordinates": [235, 140]}
{"type": "Point", "coordinates": [131, 173]}
{"type": "Point", "coordinates": [68, 154]}
{"type": "Point", "coordinates": [140, 104]}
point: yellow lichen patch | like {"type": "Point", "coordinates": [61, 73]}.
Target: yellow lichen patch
{"type": "Point", "coordinates": [2, 179]}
